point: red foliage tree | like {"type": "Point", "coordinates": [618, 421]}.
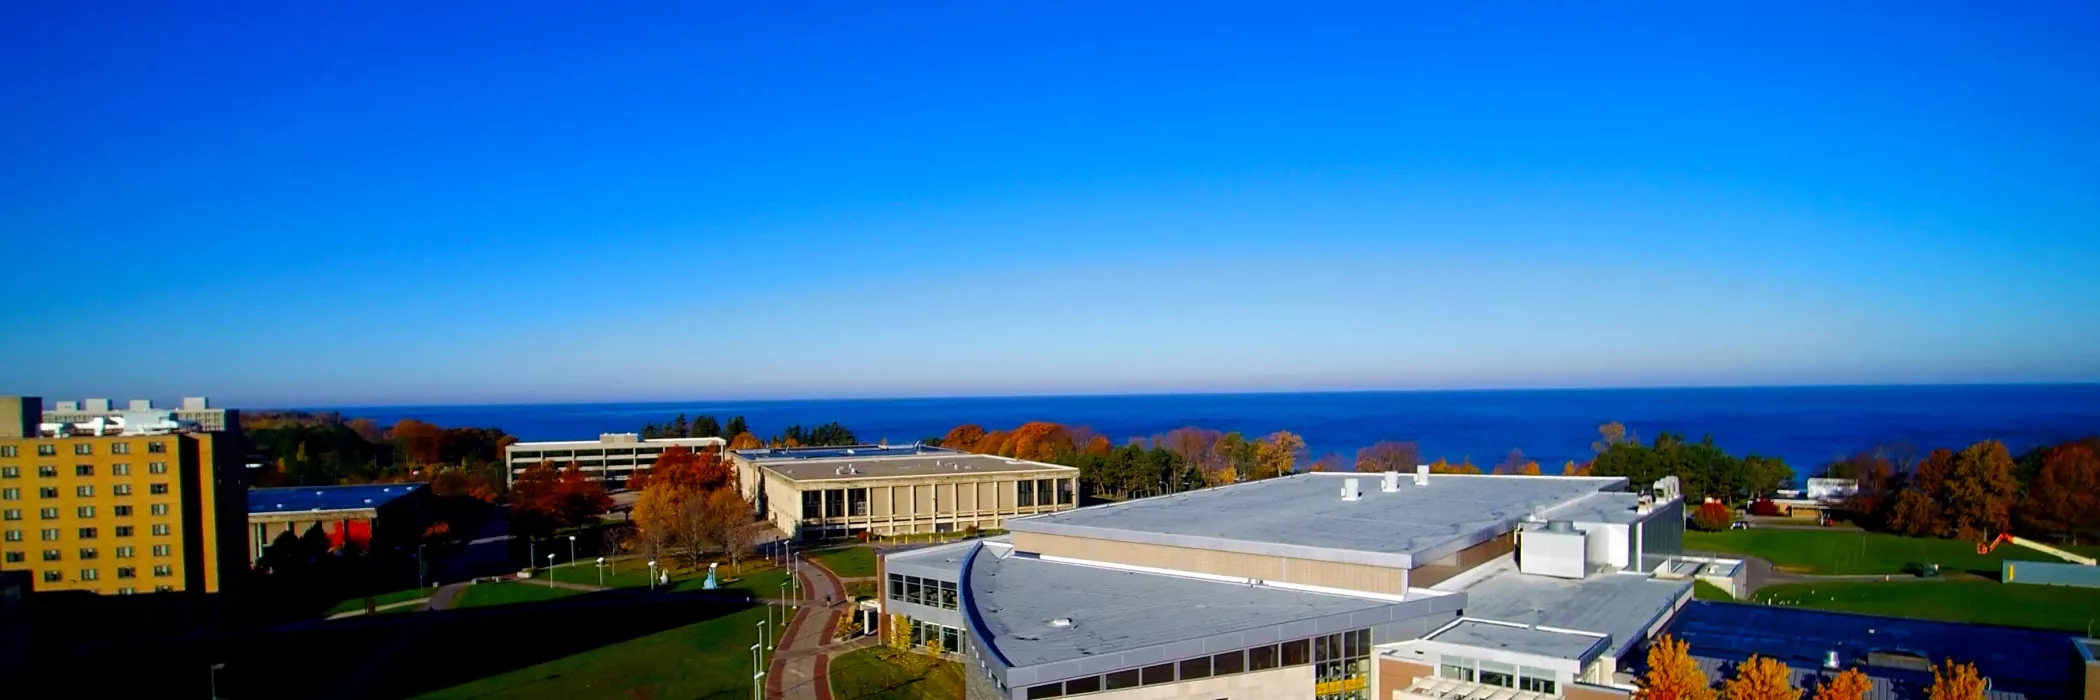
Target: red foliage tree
{"type": "Point", "coordinates": [1388, 456]}
{"type": "Point", "coordinates": [1713, 516]}
{"type": "Point", "coordinates": [963, 437]}
{"type": "Point", "coordinates": [1041, 441]}
{"type": "Point", "coordinates": [2065, 497]}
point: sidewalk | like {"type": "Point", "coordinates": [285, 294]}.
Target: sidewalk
{"type": "Point", "coordinates": [801, 665]}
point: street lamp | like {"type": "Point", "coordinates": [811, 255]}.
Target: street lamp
{"type": "Point", "coordinates": [572, 550]}
{"type": "Point", "coordinates": [756, 673]}
{"type": "Point", "coordinates": [652, 576]}
{"type": "Point", "coordinates": [765, 635]}
{"type": "Point", "coordinates": [215, 669]}
{"type": "Point", "coordinates": [601, 572]}
{"type": "Point", "coordinates": [550, 569]}
{"type": "Point", "coordinates": [422, 572]}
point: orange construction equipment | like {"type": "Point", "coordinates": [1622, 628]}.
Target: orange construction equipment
{"type": "Point", "coordinates": [2004, 537]}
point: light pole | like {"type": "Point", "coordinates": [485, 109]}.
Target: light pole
{"type": "Point", "coordinates": [422, 572]}
{"type": "Point", "coordinates": [550, 569]}
{"type": "Point", "coordinates": [215, 668]}
{"type": "Point", "coordinates": [531, 552]}
{"type": "Point", "coordinates": [756, 673]}
{"type": "Point", "coordinates": [572, 550]}
{"type": "Point", "coordinates": [601, 572]}
{"type": "Point", "coordinates": [765, 635]}
{"type": "Point", "coordinates": [652, 576]}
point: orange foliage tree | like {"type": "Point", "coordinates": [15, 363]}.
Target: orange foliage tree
{"type": "Point", "coordinates": [1329, 462]}
{"type": "Point", "coordinates": [745, 441]}
{"type": "Point", "coordinates": [1276, 454]}
{"type": "Point", "coordinates": [963, 437]}
{"type": "Point", "coordinates": [543, 499]}
{"type": "Point", "coordinates": [1672, 674]}
{"type": "Point", "coordinates": [1761, 678]}
{"type": "Point", "coordinates": [1388, 456]}
{"type": "Point", "coordinates": [1098, 446]}
{"type": "Point", "coordinates": [1041, 441]}
{"type": "Point", "coordinates": [1713, 516]}
{"type": "Point", "coordinates": [1952, 681]}
{"type": "Point", "coordinates": [1442, 467]}
{"type": "Point", "coordinates": [2065, 497]}
{"type": "Point", "coordinates": [1979, 492]}
{"type": "Point", "coordinates": [1850, 685]}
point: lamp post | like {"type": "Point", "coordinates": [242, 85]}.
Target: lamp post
{"type": "Point", "coordinates": [765, 635]}
{"type": "Point", "coordinates": [531, 552]}
{"type": "Point", "coordinates": [652, 576]}
{"type": "Point", "coordinates": [572, 550]}
{"type": "Point", "coordinates": [422, 572]}
{"type": "Point", "coordinates": [550, 569]}
{"type": "Point", "coordinates": [756, 673]}
{"type": "Point", "coordinates": [215, 668]}
{"type": "Point", "coordinates": [601, 572]}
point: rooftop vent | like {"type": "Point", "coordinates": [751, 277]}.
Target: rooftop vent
{"type": "Point", "coordinates": [1061, 623]}
{"type": "Point", "coordinates": [1350, 490]}
{"type": "Point", "coordinates": [1392, 482]}
{"type": "Point", "coordinates": [1421, 475]}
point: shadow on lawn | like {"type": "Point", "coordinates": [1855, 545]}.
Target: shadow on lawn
{"type": "Point", "coordinates": [383, 656]}
{"type": "Point", "coordinates": [896, 681]}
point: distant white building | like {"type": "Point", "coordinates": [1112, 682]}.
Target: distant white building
{"type": "Point", "coordinates": [613, 457]}
{"type": "Point", "coordinates": [1832, 490]}
{"type": "Point", "coordinates": [195, 410]}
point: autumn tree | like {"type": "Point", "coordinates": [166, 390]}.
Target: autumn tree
{"type": "Point", "coordinates": [1573, 469]}
{"type": "Point", "coordinates": [1609, 434]}
{"type": "Point", "coordinates": [1442, 467]}
{"type": "Point", "coordinates": [1040, 441]}
{"type": "Point", "coordinates": [1850, 685]}
{"type": "Point", "coordinates": [1277, 453]}
{"type": "Point", "coordinates": [417, 442]}
{"type": "Point", "coordinates": [963, 437]}
{"type": "Point", "coordinates": [2065, 497]}
{"type": "Point", "coordinates": [579, 499]}
{"type": "Point", "coordinates": [1712, 516]}
{"type": "Point", "coordinates": [1979, 491]}
{"type": "Point", "coordinates": [1528, 469]}
{"type": "Point", "coordinates": [534, 500]}
{"type": "Point", "coordinates": [728, 522]}
{"type": "Point", "coordinates": [1098, 446]}
{"type": "Point", "coordinates": [1198, 447]}
{"type": "Point", "coordinates": [1952, 681]}
{"type": "Point", "coordinates": [1388, 456]}
{"type": "Point", "coordinates": [993, 443]}
{"type": "Point", "coordinates": [1329, 462]}
{"type": "Point", "coordinates": [1672, 674]}
{"type": "Point", "coordinates": [1761, 678]}
{"type": "Point", "coordinates": [686, 472]}
{"type": "Point", "coordinates": [1516, 463]}
{"type": "Point", "coordinates": [745, 441]}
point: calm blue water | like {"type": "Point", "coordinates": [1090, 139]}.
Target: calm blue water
{"type": "Point", "coordinates": [1808, 426]}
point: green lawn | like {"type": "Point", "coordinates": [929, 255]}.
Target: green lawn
{"type": "Point", "coordinates": [358, 604]}
{"type": "Point", "coordinates": [2022, 605]}
{"type": "Point", "coordinates": [1859, 552]}
{"type": "Point", "coordinates": [861, 590]}
{"type": "Point", "coordinates": [759, 577]}
{"type": "Point", "coordinates": [1707, 591]}
{"type": "Point", "coordinates": [709, 659]}
{"type": "Point", "coordinates": [483, 595]}
{"type": "Point", "coordinates": [880, 673]}
{"type": "Point", "coordinates": [854, 561]}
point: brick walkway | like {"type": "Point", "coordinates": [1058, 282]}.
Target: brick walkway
{"type": "Point", "coordinates": [800, 668]}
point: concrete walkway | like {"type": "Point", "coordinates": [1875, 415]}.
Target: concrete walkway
{"type": "Point", "coordinates": [1760, 573]}
{"type": "Point", "coordinates": [375, 610]}
{"type": "Point", "coordinates": [801, 664]}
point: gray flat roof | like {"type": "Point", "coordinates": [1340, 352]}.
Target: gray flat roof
{"type": "Point", "coordinates": [1304, 516]}
{"type": "Point", "coordinates": [1113, 610]}
{"type": "Point", "coordinates": [1621, 605]}
{"type": "Point", "coordinates": [790, 454]}
{"type": "Point", "coordinates": [882, 467]}
{"type": "Point", "coordinates": [1616, 508]}
{"type": "Point", "coordinates": [1527, 640]}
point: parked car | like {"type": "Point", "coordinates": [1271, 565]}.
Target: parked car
{"type": "Point", "coordinates": [1739, 525]}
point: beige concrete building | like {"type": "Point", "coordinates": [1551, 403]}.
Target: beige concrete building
{"type": "Point", "coordinates": [826, 492]}
{"type": "Point", "coordinates": [613, 458]}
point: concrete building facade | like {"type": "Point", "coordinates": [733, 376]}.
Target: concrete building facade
{"type": "Point", "coordinates": [614, 457]}
{"type": "Point", "coordinates": [118, 513]}
{"type": "Point", "coordinates": [827, 492]}
{"type": "Point", "coordinates": [196, 410]}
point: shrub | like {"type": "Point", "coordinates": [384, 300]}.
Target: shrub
{"type": "Point", "coordinates": [1764, 506]}
{"type": "Point", "coordinates": [1712, 516]}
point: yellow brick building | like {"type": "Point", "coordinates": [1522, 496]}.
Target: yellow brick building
{"type": "Point", "coordinates": [118, 513]}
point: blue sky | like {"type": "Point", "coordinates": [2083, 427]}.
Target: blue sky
{"type": "Point", "coordinates": [331, 203]}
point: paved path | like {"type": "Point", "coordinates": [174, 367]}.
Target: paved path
{"type": "Point", "coordinates": [375, 610]}
{"type": "Point", "coordinates": [1760, 572]}
{"type": "Point", "coordinates": [441, 599]}
{"type": "Point", "coordinates": [801, 665]}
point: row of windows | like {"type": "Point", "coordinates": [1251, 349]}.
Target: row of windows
{"type": "Point", "coordinates": [84, 448]}
{"type": "Point", "coordinates": [1344, 659]}
{"type": "Point", "coordinates": [1537, 680]}
{"type": "Point", "coordinates": [644, 451]}
{"type": "Point", "coordinates": [82, 491]}
{"type": "Point", "coordinates": [86, 553]}
{"type": "Point", "coordinates": [840, 503]}
{"type": "Point", "coordinates": [51, 472]}
{"type": "Point", "coordinates": [924, 634]}
{"type": "Point", "coordinates": [82, 512]}
{"type": "Point", "coordinates": [1044, 492]}
{"type": "Point", "coordinates": [50, 534]}
{"type": "Point", "coordinates": [56, 576]}
{"type": "Point", "coordinates": [922, 591]}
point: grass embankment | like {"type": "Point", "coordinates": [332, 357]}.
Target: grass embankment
{"type": "Point", "coordinates": [358, 604]}
{"type": "Point", "coordinates": [702, 660]}
{"type": "Point", "coordinates": [855, 561]}
{"type": "Point", "coordinates": [759, 577]}
{"type": "Point", "coordinates": [1707, 591]}
{"type": "Point", "coordinates": [1988, 602]}
{"type": "Point", "coordinates": [1860, 552]}
{"type": "Point", "coordinates": [482, 595]}
{"type": "Point", "coordinates": [881, 673]}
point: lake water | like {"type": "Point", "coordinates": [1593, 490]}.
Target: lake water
{"type": "Point", "coordinates": [1807, 426]}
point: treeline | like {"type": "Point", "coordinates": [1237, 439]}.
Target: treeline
{"type": "Point", "coordinates": [321, 448]}
{"type": "Point", "coordinates": [740, 437]}
{"type": "Point", "coordinates": [2051, 492]}
{"type": "Point", "coordinates": [1702, 468]}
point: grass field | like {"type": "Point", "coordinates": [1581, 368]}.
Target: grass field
{"type": "Point", "coordinates": [1859, 552]}
{"type": "Point", "coordinates": [358, 604]}
{"type": "Point", "coordinates": [880, 673]}
{"type": "Point", "coordinates": [853, 561]}
{"type": "Point", "coordinates": [709, 659]}
{"type": "Point", "coordinates": [482, 595]}
{"type": "Point", "coordinates": [2020, 605]}
{"type": "Point", "coordinates": [1707, 591]}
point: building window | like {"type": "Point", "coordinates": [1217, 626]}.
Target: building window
{"type": "Point", "coordinates": [7, 450]}
{"type": "Point", "coordinates": [90, 574]}
{"type": "Point", "coordinates": [120, 448]}
{"type": "Point", "coordinates": [1261, 658]}
{"type": "Point", "coordinates": [912, 591]}
{"type": "Point", "coordinates": [53, 577]}
{"type": "Point", "coordinates": [47, 472]}
{"type": "Point", "coordinates": [163, 589]}
{"type": "Point", "coordinates": [163, 570]}
{"type": "Point", "coordinates": [1119, 680]}
{"type": "Point", "coordinates": [89, 553]}
{"type": "Point", "coordinates": [10, 472]}
{"type": "Point", "coordinates": [47, 492]}
{"type": "Point", "coordinates": [127, 572]}
{"type": "Point", "coordinates": [156, 447]}
{"type": "Point", "coordinates": [1154, 675]}
{"type": "Point", "coordinates": [1492, 673]}
{"type": "Point", "coordinates": [157, 489]}
{"type": "Point", "coordinates": [1195, 668]}
{"type": "Point", "coordinates": [49, 534]}
{"type": "Point", "coordinates": [1089, 684]}
{"type": "Point", "coordinates": [125, 552]}
{"type": "Point", "coordinates": [14, 535]}
{"type": "Point", "coordinates": [12, 514]}
{"type": "Point", "coordinates": [1456, 668]}
{"type": "Point", "coordinates": [127, 590]}
{"type": "Point", "coordinates": [1342, 665]}
{"type": "Point", "coordinates": [120, 469]}
{"type": "Point", "coordinates": [87, 533]}
{"type": "Point", "coordinates": [1025, 493]}
{"type": "Point", "coordinates": [156, 467]}
{"type": "Point", "coordinates": [1064, 492]}
{"type": "Point", "coordinates": [897, 587]}
{"type": "Point", "coordinates": [1537, 680]}
{"type": "Point", "coordinates": [948, 595]}
{"type": "Point", "coordinates": [857, 502]}
{"type": "Point", "coordinates": [160, 529]}
{"type": "Point", "coordinates": [83, 448]}
{"type": "Point", "coordinates": [16, 558]}
{"type": "Point", "coordinates": [1044, 492]}
{"type": "Point", "coordinates": [123, 511]}
{"type": "Point", "coordinates": [83, 470]}
{"type": "Point", "coordinates": [1228, 663]}
{"type": "Point", "coordinates": [1298, 653]}
{"type": "Point", "coordinates": [158, 509]}
{"type": "Point", "coordinates": [84, 491]}
{"type": "Point", "coordinates": [162, 550]}
{"type": "Point", "coordinates": [123, 530]}
{"type": "Point", "coordinates": [47, 513]}
{"type": "Point", "coordinates": [50, 555]}
{"type": "Point", "coordinates": [84, 511]}
{"type": "Point", "coordinates": [1048, 690]}
{"type": "Point", "coordinates": [11, 494]}
{"type": "Point", "coordinates": [834, 503]}
{"type": "Point", "coordinates": [46, 450]}
{"type": "Point", "coordinates": [123, 489]}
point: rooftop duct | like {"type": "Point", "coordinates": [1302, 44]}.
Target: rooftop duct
{"type": "Point", "coordinates": [1350, 490]}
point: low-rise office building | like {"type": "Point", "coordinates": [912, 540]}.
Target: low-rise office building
{"type": "Point", "coordinates": [825, 492]}
{"type": "Point", "coordinates": [195, 410]}
{"type": "Point", "coordinates": [1327, 586]}
{"type": "Point", "coordinates": [614, 458]}
{"type": "Point", "coordinates": [135, 505]}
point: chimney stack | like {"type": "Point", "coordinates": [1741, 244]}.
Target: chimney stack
{"type": "Point", "coordinates": [1421, 475]}
{"type": "Point", "coordinates": [1392, 482]}
{"type": "Point", "coordinates": [1350, 490]}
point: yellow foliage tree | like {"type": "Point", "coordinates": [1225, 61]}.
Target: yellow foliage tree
{"type": "Point", "coordinates": [1850, 685]}
{"type": "Point", "coordinates": [1573, 469]}
{"type": "Point", "coordinates": [1529, 469]}
{"type": "Point", "coordinates": [745, 441]}
{"type": "Point", "coordinates": [1761, 678]}
{"type": "Point", "coordinates": [1672, 674]}
{"type": "Point", "coordinates": [1952, 681]}
{"type": "Point", "coordinates": [899, 636]}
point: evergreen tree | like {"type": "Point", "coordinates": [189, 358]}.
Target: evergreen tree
{"type": "Point", "coordinates": [680, 428]}
{"type": "Point", "coordinates": [736, 427]}
{"type": "Point", "coordinates": [706, 427]}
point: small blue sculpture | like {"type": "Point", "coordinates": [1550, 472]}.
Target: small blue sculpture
{"type": "Point", "coordinates": [710, 584]}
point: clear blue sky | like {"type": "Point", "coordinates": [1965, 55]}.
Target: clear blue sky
{"type": "Point", "coordinates": [381, 202]}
